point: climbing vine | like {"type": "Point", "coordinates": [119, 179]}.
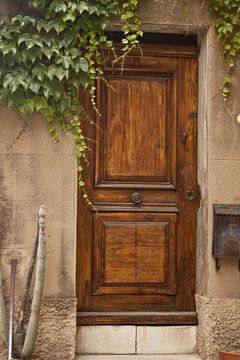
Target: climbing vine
{"type": "Point", "coordinates": [228, 29]}
{"type": "Point", "coordinates": [51, 48]}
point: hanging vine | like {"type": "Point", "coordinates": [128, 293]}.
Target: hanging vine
{"type": "Point", "coordinates": [228, 29]}
{"type": "Point", "coordinates": [51, 48]}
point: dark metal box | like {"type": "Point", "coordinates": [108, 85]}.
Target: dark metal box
{"type": "Point", "coordinates": [226, 231]}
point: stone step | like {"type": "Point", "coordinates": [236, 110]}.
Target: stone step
{"type": "Point", "coordinates": [138, 357]}
{"type": "Point", "coordinates": [136, 340]}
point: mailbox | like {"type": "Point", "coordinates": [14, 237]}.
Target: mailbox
{"type": "Point", "coordinates": [226, 232]}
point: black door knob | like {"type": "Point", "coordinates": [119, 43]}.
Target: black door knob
{"type": "Point", "coordinates": [136, 198]}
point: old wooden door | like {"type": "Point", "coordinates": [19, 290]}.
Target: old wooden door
{"type": "Point", "coordinates": [136, 250]}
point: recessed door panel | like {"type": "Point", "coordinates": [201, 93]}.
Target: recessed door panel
{"type": "Point", "coordinates": [134, 254]}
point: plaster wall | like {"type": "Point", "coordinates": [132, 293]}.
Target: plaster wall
{"type": "Point", "coordinates": [33, 172]}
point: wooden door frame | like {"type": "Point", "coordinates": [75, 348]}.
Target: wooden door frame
{"type": "Point", "coordinates": [168, 317]}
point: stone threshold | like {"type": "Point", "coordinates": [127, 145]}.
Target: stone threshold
{"type": "Point", "coordinates": [139, 357]}
{"type": "Point", "coordinates": [136, 340]}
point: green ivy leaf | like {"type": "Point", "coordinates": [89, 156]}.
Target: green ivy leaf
{"type": "Point", "coordinates": [69, 16]}
{"type": "Point", "coordinates": [82, 6]}
{"type": "Point", "coordinates": [39, 71]}
{"type": "Point", "coordinates": [48, 52]}
{"type": "Point", "coordinates": [40, 103]}
{"type": "Point", "coordinates": [34, 86]}
{"type": "Point", "coordinates": [83, 64]}
{"type": "Point", "coordinates": [27, 107]}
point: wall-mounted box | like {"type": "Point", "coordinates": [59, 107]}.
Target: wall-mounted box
{"type": "Point", "coordinates": [226, 231]}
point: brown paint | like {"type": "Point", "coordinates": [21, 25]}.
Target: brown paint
{"type": "Point", "coordinates": [141, 258]}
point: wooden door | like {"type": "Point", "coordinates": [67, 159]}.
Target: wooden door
{"type": "Point", "coordinates": [136, 249]}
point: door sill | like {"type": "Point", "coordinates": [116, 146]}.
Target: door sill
{"type": "Point", "coordinates": [137, 318]}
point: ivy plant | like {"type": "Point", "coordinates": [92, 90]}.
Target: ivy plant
{"type": "Point", "coordinates": [49, 49]}
{"type": "Point", "coordinates": [228, 29]}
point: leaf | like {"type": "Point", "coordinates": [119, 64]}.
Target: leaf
{"type": "Point", "coordinates": [68, 37]}
{"type": "Point", "coordinates": [66, 61]}
{"type": "Point", "coordinates": [61, 73]}
{"type": "Point", "coordinates": [74, 52]}
{"type": "Point", "coordinates": [47, 91]}
{"type": "Point", "coordinates": [48, 52]}
{"type": "Point", "coordinates": [58, 7]}
{"type": "Point", "coordinates": [57, 89]}
{"type": "Point", "coordinates": [83, 64]}
{"type": "Point", "coordinates": [52, 71]}
{"type": "Point", "coordinates": [40, 102]}
{"type": "Point", "coordinates": [84, 80]}
{"type": "Point", "coordinates": [39, 72]}
{"type": "Point", "coordinates": [37, 3]}
{"type": "Point", "coordinates": [8, 48]}
{"type": "Point", "coordinates": [69, 16]}
{"type": "Point", "coordinates": [7, 80]}
{"type": "Point", "coordinates": [27, 107]}
{"type": "Point", "coordinates": [47, 112]}
{"type": "Point", "coordinates": [33, 54]}
{"type": "Point", "coordinates": [82, 6]}
{"type": "Point", "coordinates": [34, 86]}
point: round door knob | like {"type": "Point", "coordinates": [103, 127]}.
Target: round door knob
{"type": "Point", "coordinates": [136, 198]}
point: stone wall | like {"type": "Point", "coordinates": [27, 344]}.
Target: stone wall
{"type": "Point", "coordinates": [33, 172]}
{"type": "Point", "coordinates": [219, 326]}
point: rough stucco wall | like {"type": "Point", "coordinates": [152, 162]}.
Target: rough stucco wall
{"type": "Point", "coordinates": [57, 331]}
{"type": "Point", "coordinates": [33, 172]}
{"type": "Point", "coordinates": [219, 326]}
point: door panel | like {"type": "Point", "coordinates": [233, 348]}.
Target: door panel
{"type": "Point", "coordinates": [133, 253]}
{"type": "Point", "coordinates": [127, 156]}
{"type": "Point", "coordinates": [136, 259]}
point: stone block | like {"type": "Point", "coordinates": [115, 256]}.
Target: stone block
{"type": "Point", "coordinates": [224, 181]}
{"type": "Point", "coordinates": [224, 140]}
{"type": "Point", "coordinates": [43, 177]}
{"type": "Point", "coordinates": [225, 283]}
{"type": "Point", "coordinates": [30, 135]}
{"type": "Point", "coordinates": [60, 224]}
{"type": "Point", "coordinates": [218, 326]}
{"type": "Point", "coordinates": [166, 339]}
{"type": "Point", "coordinates": [138, 357]}
{"type": "Point", "coordinates": [106, 340]}
{"type": "Point", "coordinates": [215, 100]}
{"type": "Point", "coordinates": [60, 279]}
{"type": "Point", "coordinates": [215, 50]}
{"type": "Point", "coordinates": [175, 14]}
